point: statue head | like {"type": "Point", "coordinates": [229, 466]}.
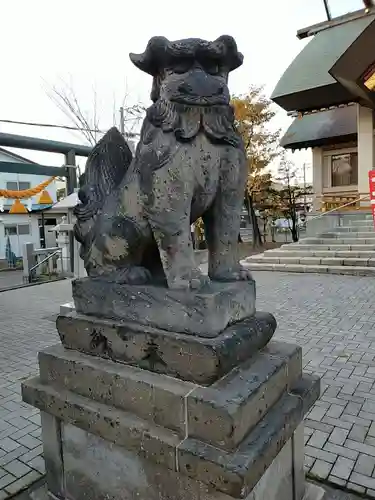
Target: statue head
{"type": "Point", "coordinates": [190, 72]}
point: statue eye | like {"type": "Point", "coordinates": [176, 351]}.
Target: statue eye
{"type": "Point", "coordinates": [182, 66]}
{"type": "Point", "coordinates": [212, 68]}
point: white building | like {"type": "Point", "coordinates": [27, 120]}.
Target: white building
{"type": "Point", "coordinates": [24, 228]}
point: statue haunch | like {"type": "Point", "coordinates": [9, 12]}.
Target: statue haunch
{"type": "Point", "coordinates": [134, 218]}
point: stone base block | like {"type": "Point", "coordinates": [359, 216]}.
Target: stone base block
{"type": "Point", "coordinates": [314, 492]}
{"type": "Point", "coordinates": [222, 414]}
{"type": "Point", "coordinates": [97, 470]}
{"type": "Point", "coordinates": [205, 313]}
{"type": "Point", "coordinates": [118, 432]}
{"type": "Point", "coordinates": [189, 357]}
{"type": "Point", "coordinates": [67, 308]}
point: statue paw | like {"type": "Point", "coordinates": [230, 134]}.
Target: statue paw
{"type": "Point", "coordinates": [196, 282]}
{"type": "Point", "coordinates": [199, 282]}
{"type": "Point", "coordinates": [135, 275]}
{"type": "Point", "coordinates": [240, 274]}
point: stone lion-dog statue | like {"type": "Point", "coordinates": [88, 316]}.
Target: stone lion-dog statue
{"type": "Point", "coordinates": [134, 216]}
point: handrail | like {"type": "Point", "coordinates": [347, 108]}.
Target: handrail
{"type": "Point", "coordinates": [366, 197]}
{"type": "Point", "coordinates": [32, 269]}
{"type": "Point", "coordinates": [40, 251]}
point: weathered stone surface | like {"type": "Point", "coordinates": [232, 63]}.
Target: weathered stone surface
{"type": "Point", "coordinates": [298, 450]}
{"type": "Point", "coordinates": [51, 433]}
{"type": "Point", "coordinates": [106, 471]}
{"type": "Point", "coordinates": [154, 397]}
{"type": "Point", "coordinates": [292, 354]}
{"type": "Point", "coordinates": [237, 473]}
{"type": "Point", "coordinates": [221, 414]}
{"type": "Point", "coordinates": [205, 313]}
{"type": "Point", "coordinates": [278, 480]}
{"type": "Point", "coordinates": [315, 492]}
{"type": "Point", "coordinates": [234, 473]}
{"type": "Point", "coordinates": [198, 359]}
{"type": "Point", "coordinates": [224, 413]}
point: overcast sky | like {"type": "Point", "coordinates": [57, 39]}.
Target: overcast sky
{"type": "Point", "coordinates": [86, 42]}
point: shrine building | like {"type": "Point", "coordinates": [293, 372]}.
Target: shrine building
{"type": "Point", "coordinates": [330, 89]}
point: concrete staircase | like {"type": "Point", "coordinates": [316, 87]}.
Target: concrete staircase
{"type": "Point", "coordinates": [348, 249]}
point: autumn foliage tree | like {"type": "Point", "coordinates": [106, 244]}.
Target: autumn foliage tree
{"type": "Point", "coordinates": [253, 113]}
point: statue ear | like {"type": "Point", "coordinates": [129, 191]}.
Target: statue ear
{"type": "Point", "coordinates": [153, 57]}
{"type": "Point", "coordinates": [231, 58]}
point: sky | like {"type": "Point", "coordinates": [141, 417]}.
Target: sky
{"type": "Point", "coordinates": [86, 43]}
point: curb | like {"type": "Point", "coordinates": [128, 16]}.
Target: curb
{"type": "Point", "coordinates": [27, 285]}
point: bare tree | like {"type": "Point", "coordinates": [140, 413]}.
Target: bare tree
{"type": "Point", "coordinates": [88, 122]}
{"type": "Point", "coordinates": [288, 197]}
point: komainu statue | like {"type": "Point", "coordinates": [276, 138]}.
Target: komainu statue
{"type": "Point", "coordinates": [134, 218]}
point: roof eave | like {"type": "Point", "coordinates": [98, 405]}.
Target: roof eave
{"type": "Point", "coordinates": [318, 143]}
{"type": "Point", "coordinates": [346, 18]}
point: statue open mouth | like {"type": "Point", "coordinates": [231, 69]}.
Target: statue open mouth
{"type": "Point", "coordinates": [219, 100]}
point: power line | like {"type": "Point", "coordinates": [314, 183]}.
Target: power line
{"type": "Point", "coordinates": [66, 127]}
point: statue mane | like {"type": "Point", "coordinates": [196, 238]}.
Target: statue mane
{"type": "Point", "coordinates": [216, 122]}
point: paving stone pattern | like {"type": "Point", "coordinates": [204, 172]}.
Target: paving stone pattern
{"type": "Point", "coordinates": [27, 325]}
{"type": "Point", "coordinates": [331, 317]}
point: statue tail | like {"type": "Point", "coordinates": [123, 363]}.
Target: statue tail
{"type": "Point", "coordinates": [105, 169]}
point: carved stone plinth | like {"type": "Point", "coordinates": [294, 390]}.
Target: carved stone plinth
{"type": "Point", "coordinates": [120, 432]}
{"type": "Point", "coordinates": [205, 313]}
{"type": "Point", "coordinates": [190, 357]}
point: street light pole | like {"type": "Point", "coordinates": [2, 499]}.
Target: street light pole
{"type": "Point", "coordinates": [122, 121]}
{"type": "Point", "coordinates": [304, 188]}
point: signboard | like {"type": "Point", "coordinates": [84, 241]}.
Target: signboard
{"type": "Point", "coordinates": [371, 176]}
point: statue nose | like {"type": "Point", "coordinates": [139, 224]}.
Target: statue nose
{"type": "Point", "coordinates": [185, 88]}
{"type": "Point", "coordinates": [200, 84]}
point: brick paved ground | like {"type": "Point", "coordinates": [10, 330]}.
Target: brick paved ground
{"type": "Point", "coordinates": [10, 278]}
{"type": "Point", "coordinates": [332, 317]}
{"type": "Point", "coordinates": [26, 326]}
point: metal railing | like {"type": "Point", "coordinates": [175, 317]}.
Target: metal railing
{"type": "Point", "coordinates": [362, 198]}
{"type": "Point", "coordinates": [32, 271]}
{"type": "Point", "coordinates": [320, 224]}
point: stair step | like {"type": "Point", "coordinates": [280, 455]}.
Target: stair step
{"type": "Point", "coordinates": [347, 235]}
{"type": "Point", "coordinates": [353, 229]}
{"type": "Point", "coordinates": [334, 246]}
{"type": "Point", "coordinates": [300, 268]}
{"type": "Point", "coordinates": [339, 241]}
{"type": "Point", "coordinates": [364, 222]}
{"type": "Point", "coordinates": [348, 254]}
{"type": "Point", "coordinates": [311, 261]}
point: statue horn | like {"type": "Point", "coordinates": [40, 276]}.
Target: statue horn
{"type": "Point", "coordinates": [232, 58]}
{"type": "Point", "coordinates": [153, 57]}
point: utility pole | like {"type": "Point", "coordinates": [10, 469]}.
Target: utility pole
{"type": "Point", "coordinates": [71, 184]}
{"type": "Point", "coordinates": [122, 121]}
{"type": "Point", "coordinates": [328, 10]}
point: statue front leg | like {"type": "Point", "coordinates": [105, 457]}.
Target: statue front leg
{"type": "Point", "coordinates": [169, 218]}
{"type": "Point", "coordinates": [222, 226]}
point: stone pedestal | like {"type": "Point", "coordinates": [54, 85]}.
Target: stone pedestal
{"type": "Point", "coordinates": [203, 313]}
{"type": "Point", "coordinates": [151, 415]}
